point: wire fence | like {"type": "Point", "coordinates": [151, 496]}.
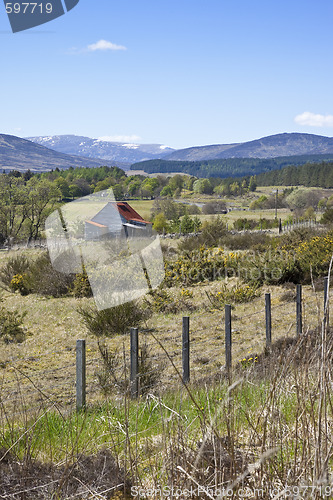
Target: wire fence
{"type": "Point", "coordinates": [173, 355]}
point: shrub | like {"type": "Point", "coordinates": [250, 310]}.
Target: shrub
{"type": "Point", "coordinates": [271, 267]}
{"type": "Point", "coordinates": [291, 239]}
{"type": "Point", "coordinates": [162, 301]}
{"type": "Point", "coordinates": [314, 255]}
{"type": "Point", "coordinates": [246, 241]}
{"type": "Point", "coordinates": [214, 207]}
{"type": "Point", "coordinates": [327, 217]}
{"type": "Point", "coordinates": [45, 280]}
{"type": "Point", "coordinates": [195, 266]}
{"type": "Point", "coordinates": [234, 295]}
{"type": "Point", "coordinates": [213, 231]}
{"type": "Point", "coordinates": [81, 285]}
{"type": "Point", "coordinates": [244, 224]}
{"type": "Point", "coordinates": [18, 265]}
{"type": "Point", "coordinates": [11, 329]}
{"type": "Point", "coordinates": [19, 283]}
{"type": "Point", "coordinates": [111, 375]}
{"type": "Point", "coordinates": [114, 321]}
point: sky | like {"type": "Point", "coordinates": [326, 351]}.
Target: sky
{"type": "Point", "coordinates": [179, 72]}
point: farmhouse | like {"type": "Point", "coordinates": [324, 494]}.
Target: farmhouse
{"type": "Point", "coordinates": [116, 219]}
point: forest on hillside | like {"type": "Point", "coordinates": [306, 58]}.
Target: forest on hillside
{"type": "Point", "coordinates": [230, 167]}
{"type": "Point", "coordinates": [309, 175]}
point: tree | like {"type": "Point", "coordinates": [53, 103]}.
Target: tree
{"type": "Point", "coordinates": [160, 223]}
{"type": "Point", "coordinates": [187, 224]}
{"type": "Point", "coordinates": [202, 186]}
{"type": "Point", "coordinates": [63, 187]}
{"type": "Point", "coordinates": [41, 200]}
{"type": "Point", "coordinates": [74, 191]}
{"type": "Point", "coordinates": [252, 184]}
{"type": "Point", "coordinates": [149, 185]}
{"type": "Point", "coordinates": [327, 217]}
{"type": "Point", "coordinates": [166, 191]}
{"type": "Point", "coordinates": [13, 198]}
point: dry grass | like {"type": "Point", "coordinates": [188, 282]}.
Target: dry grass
{"type": "Point", "coordinates": [47, 358]}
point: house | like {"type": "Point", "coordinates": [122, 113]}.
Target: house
{"type": "Point", "coordinates": [117, 219]}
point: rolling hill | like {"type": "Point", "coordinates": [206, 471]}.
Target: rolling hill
{"type": "Point", "coordinates": [21, 154]}
{"type": "Point", "coordinates": [267, 147]}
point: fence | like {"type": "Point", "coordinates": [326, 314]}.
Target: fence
{"type": "Point", "coordinates": [190, 349]}
{"type": "Point", "coordinates": [186, 343]}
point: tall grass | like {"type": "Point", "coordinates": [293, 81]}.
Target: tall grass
{"type": "Point", "coordinates": [267, 429]}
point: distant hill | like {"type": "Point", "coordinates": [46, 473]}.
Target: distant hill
{"type": "Point", "coordinates": [96, 148]}
{"type": "Point", "coordinates": [230, 167]}
{"type": "Point", "coordinates": [21, 154]}
{"type": "Point", "coordinates": [198, 153]}
{"type": "Point", "coordinates": [293, 144]}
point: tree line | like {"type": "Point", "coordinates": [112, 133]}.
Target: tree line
{"type": "Point", "coordinates": [227, 167]}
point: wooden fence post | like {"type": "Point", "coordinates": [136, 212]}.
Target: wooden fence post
{"type": "Point", "coordinates": [186, 349]}
{"type": "Point", "coordinates": [268, 314]}
{"type": "Point", "coordinates": [134, 377]}
{"type": "Point", "coordinates": [227, 309]}
{"type": "Point", "coordinates": [326, 301]}
{"type": "Point", "coordinates": [299, 321]}
{"type": "Point", "coordinates": [80, 375]}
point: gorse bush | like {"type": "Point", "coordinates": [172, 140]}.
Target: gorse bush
{"type": "Point", "coordinates": [232, 295]}
{"type": "Point", "coordinates": [19, 283]}
{"type": "Point", "coordinates": [195, 266]}
{"type": "Point", "coordinates": [113, 321]}
{"type": "Point", "coordinates": [163, 301]}
{"type": "Point", "coordinates": [11, 326]}
{"type": "Point", "coordinates": [18, 265]}
{"type": "Point", "coordinates": [315, 255]}
{"type": "Point", "coordinates": [81, 286]}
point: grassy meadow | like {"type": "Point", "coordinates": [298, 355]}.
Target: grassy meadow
{"type": "Point", "coordinates": [262, 430]}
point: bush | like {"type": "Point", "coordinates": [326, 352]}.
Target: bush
{"type": "Point", "coordinates": [19, 283]}
{"type": "Point", "coordinates": [111, 375]}
{"type": "Point", "coordinates": [11, 329]}
{"type": "Point", "coordinates": [234, 295]}
{"type": "Point", "coordinates": [81, 285]}
{"type": "Point", "coordinates": [44, 280]}
{"type": "Point", "coordinates": [212, 232]}
{"type": "Point", "coordinates": [114, 321]}
{"type": "Point", "coordinates": [246, 241]}
{"type": "Point", "coordinates": [271, 267]}
{"type": "Point", "coordinates": [327, 217]}
{"type": "Point", "coordinates": [214, 207]}
{"type": "Point", "coordinates": [161, 301]}
{"type": "Point", "coordinates": [244, 224]}
{"type": "Point", "coordinates": [18, 265]}
{"type": "Point", "coordinates": [195, 266]}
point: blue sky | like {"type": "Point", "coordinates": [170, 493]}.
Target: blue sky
{"type": "Point", "coordinates": [180, 73]}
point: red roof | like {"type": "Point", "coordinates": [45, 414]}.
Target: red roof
{"type": "Point", "coordinates": [129, 213]}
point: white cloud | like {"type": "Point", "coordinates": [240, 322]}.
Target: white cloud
{"type": "Point", "coordinates": [314, 120]}
{"type": "Point", "coordinates": [120, 138]}
{"type": "Point", "coordinates": [104, 45]}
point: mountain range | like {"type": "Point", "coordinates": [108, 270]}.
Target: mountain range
{"type": "Point", "coordinates": [21, 154]}
{"type": "Point", "coordinates": [63, 151]}
{"type": "Point", "coordinates": [127, 153]}
{"type": "Point", "coordinates": [271, 146]}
